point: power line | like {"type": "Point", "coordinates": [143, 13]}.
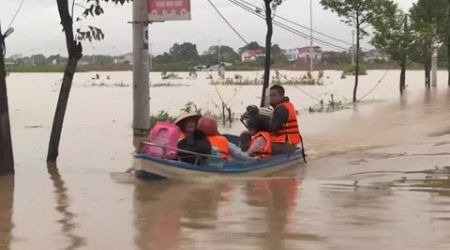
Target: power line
{"type": "Point", "coordinates": [302, 26]}
{"type": "Point", "coordinates": [286, 27]}
{"type": "Point", "coordinates": [15, 15]}
{"type": "Point", "coordinates": [228, 23]}
{"type": "Point", "coordinates": [376, 85]}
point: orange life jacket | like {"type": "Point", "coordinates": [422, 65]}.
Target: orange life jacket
{"type": "Point", "coordinates": [267, 151]}
{"type": "Point", "coordinates": [182, 136]}
{"type": "Point", "coordinates": [220, 143]}
{"type": "Point", "coordinates": [289, 132]}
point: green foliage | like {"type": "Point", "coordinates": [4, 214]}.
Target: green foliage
{"type": "Point", "coordinates": [354, 12]}
{"type": "Point", "coordinates": [94, 8]}
{"type": "Point", "coordinates": [392, 33]}
{"type": "Point", "coordinates": [430, 24]}
{"type": "Point", "coordinates": [251, 46]}
{"type": "Point", "coordinates": [191, 107]}
{"type": "Point", "coordinates": [351, 69]}
{"type": "Point", "coordinates": [162, 116]}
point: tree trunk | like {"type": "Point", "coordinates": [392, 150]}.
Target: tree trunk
{"type": "Point", "coordinates": [403, 77]}
{"type": "Point", "coordinates": [268, 50]}
{"type": "Point", "coordinates": [428, 71]}
{"type": "Point", "coordinates": [6, 153]}
{"type": "Point", "coordinates": [75, 52]}
{"type": "Point", "coordinates": [448, 60]}
{"type": "Point", "coordinates": [448, 41]}
{"type": "Point", "coordinates": [358, 33]}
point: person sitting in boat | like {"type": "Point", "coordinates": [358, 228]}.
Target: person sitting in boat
{"type": "Point", "coordinates": [219, 143]}
{"type": "Point", "coordinates": [187, 122]}
{"type": "Point", "coordinates": [191, 139]}
{"type": "Point", "coordinates": [260, 144]}
{"type": "Point", "coordinates": [284, 129]}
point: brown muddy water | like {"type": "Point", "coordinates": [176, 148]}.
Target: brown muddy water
{"type": "Point", "coordinates": [378, 176]}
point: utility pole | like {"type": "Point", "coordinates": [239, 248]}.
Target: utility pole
{"type": "Point", "coordinates": [311, 49]}
{"type": "Point", "coordinates": [6, 153]}
{"type": "Point", "coordinates": [141, 68]}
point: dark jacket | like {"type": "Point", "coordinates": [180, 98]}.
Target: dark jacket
{"type": "Point", "coordinates": [199, 143]}
{"type": "Point", "coordinates": [280, 117]}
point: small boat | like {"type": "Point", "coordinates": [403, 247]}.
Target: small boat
{"type": "Point", "coordinates": [151, 167]}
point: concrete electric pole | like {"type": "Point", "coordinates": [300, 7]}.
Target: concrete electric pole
{"type": "Point", "coordinates": [141, 69]}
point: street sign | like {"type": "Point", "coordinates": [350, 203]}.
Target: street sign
{"type": "Point", "coordinates": [169, 10]}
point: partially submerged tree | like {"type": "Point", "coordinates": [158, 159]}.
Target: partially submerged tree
{"type": "Point", "coordinates": [356, 13]}
{"type": "Point", "coordinates": [74, 49]}
{"type": "Point", "coordinates": [428, 19]}
{"type": "Point", "coordinates": [392, 35]}
{"type": "Point", "coordinates": [6, 153]}
{"type": "Point", "coordinates": [270, 6]}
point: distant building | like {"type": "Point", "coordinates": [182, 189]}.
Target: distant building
{"type": "Point", "coordinates": [292, 54]}
{"type": "Point", "coordinates": [304, 54]}
{"type": "Point", "coordinates": [251, 55]}
{"type": "Point", "coordinates": [125, 59]}
{"type": "Point", "coordinates": [374, 56]}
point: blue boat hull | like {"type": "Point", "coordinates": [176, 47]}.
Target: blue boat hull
{"type": "Point", "coordinates": [154, 167]}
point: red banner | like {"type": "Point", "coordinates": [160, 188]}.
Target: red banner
{"type": "Point", "coordinates": [168, 10]}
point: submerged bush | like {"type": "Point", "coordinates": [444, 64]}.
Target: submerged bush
{"type": "Point", "coordinates": [350, 69]}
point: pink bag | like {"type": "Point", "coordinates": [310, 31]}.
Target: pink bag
{"type": "Point", "coordinates": [163, 135]}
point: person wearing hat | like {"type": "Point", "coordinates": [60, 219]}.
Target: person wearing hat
{"type": "Point", "coordinates": [187, 122]}
{"type": "Point", "coordinates": [227, 150]}
{"type": "Point", "coordinates": [191, 139]}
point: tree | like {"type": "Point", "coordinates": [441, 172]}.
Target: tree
{"type": "Point", "coordinates": [251, 46]}
{"type": "Point", "coordinates": [270, 6]}
{"type": "Point", "coordinates": [184, 52]}
{"type": "Point", "coordinates": [74, 49]}
{"type": "Point", "coordinates": [392, 35]}
{"type": "Point", "coordinates": [356, 13]}
{"type": "Point", "coordinates": [428, 19]}
{"type": "Point", "coordinates": [278, 54]}
{"type": "Point", "coordinates": [6, 152]}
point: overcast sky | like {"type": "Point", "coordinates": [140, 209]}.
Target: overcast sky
{"type": "Point", "coordinates": [37, 27]}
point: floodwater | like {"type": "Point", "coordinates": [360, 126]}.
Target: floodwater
{"type": "Point", "coordinates": [378, 175]}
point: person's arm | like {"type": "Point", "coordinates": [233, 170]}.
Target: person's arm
{"type": "Point", "coordinates": [280, 117]}
{"type": "Point", "coordinates": [257, 146]}
{"type": "Point", "coordinates": [237, 154]}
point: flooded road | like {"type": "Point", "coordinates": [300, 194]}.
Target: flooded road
{"type": "Point", "coordinates": [378, 175]}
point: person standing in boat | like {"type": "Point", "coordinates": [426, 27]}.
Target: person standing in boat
{"type": "Point", "coordinates": [284, 129]}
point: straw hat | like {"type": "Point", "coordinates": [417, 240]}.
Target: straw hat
{"type": "Point", "coordinates": [184, 116]}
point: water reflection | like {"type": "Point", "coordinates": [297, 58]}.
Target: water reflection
{"type": "Point", "coordinates": [66, 221]}
{"type": "Point", "coordinates": [278, 197]}
{"type": "Point", "coordinates": [6, 210]}
{"type": "Point", "coordinates": [157, 215]}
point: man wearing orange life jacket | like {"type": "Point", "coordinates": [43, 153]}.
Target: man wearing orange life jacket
{"type": "Point", "coordinates": [284, 129]}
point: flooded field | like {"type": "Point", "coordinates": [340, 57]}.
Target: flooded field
{"type": "Point", "coordinates": [378, 175]}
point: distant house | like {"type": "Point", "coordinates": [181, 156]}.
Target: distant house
{"type": "Point", "coordinates": [292, 54]}
{"type": "Point", "coordinates": [305, 53]}
{"type": "Point", "coordinates": [125, 59]}
{"type": "Point", "coordinates": [251, 55]}
{"type": "Point", "coordinates": [374, 56]}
